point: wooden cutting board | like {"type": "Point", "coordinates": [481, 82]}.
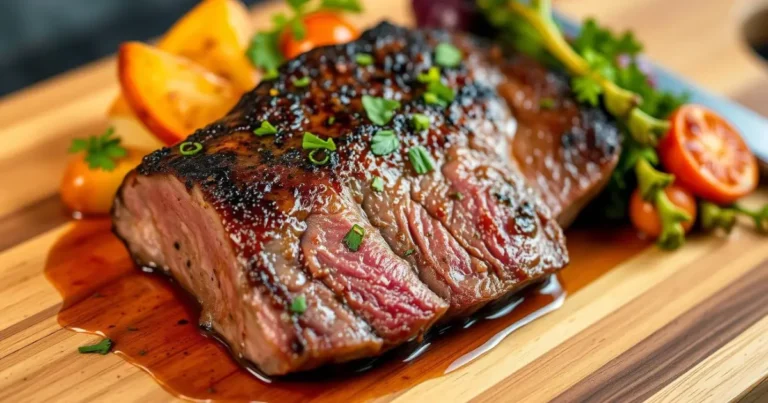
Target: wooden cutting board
{"type": "Point", "coordinates": [685, 326]}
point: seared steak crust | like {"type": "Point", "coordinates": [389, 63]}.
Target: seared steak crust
{"type": "Point", "coordinates": [436, 245]}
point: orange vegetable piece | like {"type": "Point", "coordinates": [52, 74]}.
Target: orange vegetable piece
{"type": "Point", "coordinates": [171, 95]}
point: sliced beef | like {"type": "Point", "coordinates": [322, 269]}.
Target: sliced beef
{"type": "Point", "coordinates": [255, 230]}
{"type": "Point", "coordinates": [566, 151]}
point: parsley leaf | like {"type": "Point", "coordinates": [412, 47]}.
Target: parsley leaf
{"type": "Point", "coordinates": [264, 52]}
{"type": "Point", "coordinates": [447, 55]}
{"type": "Point", "coordinates": [101, 347]}
{"type": "Point", "coordinates": [442, 91]}
{"type": "Point", "coordinates": [587, 90]}
{"type": "Point", "coordinates": [432, 75]}
{"type": "Point", "coordinates": [101, 152]}
{"type": "Point", "coordinates": [380, 110]}
{"type": "Point", "coordinates": [352, 6]}
{"type": "Point", "coordinates": [296, 5]}
{"type": "Point", "coordinates": [419, 121]}
{"type": "Point", "coordinates": [384, 142]}
{"type": "Point", "coordinates": [420, 160]}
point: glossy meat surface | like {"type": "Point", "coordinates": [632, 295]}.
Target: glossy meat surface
{"type": "Point", "coordinates": [437, 245]}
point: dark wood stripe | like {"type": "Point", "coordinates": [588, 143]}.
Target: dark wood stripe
{"type": "Point", "coordinates": [30, 321]}
{"type": "Point", "coordinates": [672, 350]}
{"type": "Point", "coordinates": [759, 393]}
{"type": "Point", "coordinates": [32, 220]}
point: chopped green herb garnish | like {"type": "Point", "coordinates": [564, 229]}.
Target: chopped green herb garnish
{"type": "Point", "coordinates": [101, 152]}
{"type": "Point", "coordinates": [432, 75]}
{"type": "Point", "coordinates": [264, 49]}
{"type": "Point", "coordinates": [331, 120]}
{"type": "Point", "coordinates": [264, 52]}
{"type": "Point", "coordinates": [384, 142]}
{"type": "Point", "coordinates": [432, 99]}
{"type": "Point", "coordinates": [301, 82]}
{"type": "Point", "coordinates": [420, 160]}
{"type": "Point", "coordinates": [456, 196]}
{"type": "Point", "coordinates": [419, 121]}
{"type": "Point", "coordinates": [377, 184]}
{"type": "Point", "coordinates": [352, 6]}
{"type": "Point", "coordinates": [101, 347]}
{"type": "Point", "coordinates": [409, 252]}
{"type": "Point", "coordinates": [442, 91]}
{"type": "Point", "coordinates": [189, 148]}
{"type": "Point", "coordinates": [354, 238]}
{"type": "Point", "coordinates": [380, 110]}
{"type": "Point", "coordinates": [364, 59]}
{"type": "Point", "coordinates": [313, 157]}
{"type": "Point", "coordinates": [299, 304]}
{"type": "Point", "coordinates": [312, 142]}
{"type": "Point", "coordinates": [266, 129]}
{"type": "Point", "coordinates": [270, 74]}
{"type": "Point", "coordinates": [447, 55]}
{"type": "Point", "coordinates": [547, 103]}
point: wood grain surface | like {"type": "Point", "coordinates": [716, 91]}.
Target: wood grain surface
{"type": "Point", "coordinates": [685, 326]}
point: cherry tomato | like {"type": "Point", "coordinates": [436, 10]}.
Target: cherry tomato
{"type": "Point", "coordinates": [643, 214]}
{"type": "Point", "coordinates": [322, 28]}
{"type": "Point", "coordinates": [91, 191]}
{"type": "Point", "coordinates": [708, 156]}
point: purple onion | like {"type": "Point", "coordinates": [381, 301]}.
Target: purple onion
{"type": "Point", "coordinates": [453, 15]}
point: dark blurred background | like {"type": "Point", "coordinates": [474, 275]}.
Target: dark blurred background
{"type": "Point", "coordinates": [41, 38]}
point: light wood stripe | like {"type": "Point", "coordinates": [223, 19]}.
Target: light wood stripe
{"type": "Point", "coordinates": [33, 220]}
{"type": "Point", "coordinates": [583, 310]}
{"type": "Point", "coordinates": [659, 359]}
{"type": "Point", "coordinates": [723, 375]}
{"type": "Point", "coordinates": [637, 317]}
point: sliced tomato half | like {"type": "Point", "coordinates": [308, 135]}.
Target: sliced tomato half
{"type": "Point", "coordinates": [708, 156]}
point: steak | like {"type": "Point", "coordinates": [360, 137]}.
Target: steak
{"type": "Point", "coordinates": [256, 230]}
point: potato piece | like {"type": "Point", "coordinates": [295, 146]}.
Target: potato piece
{"type": "Point", "coordinates": [171, 95]}
{"type": "Point", "coordinates": [215, 34]}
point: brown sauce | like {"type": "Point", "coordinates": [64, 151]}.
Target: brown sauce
{"type": "Point", "coordinates": [153, 324]}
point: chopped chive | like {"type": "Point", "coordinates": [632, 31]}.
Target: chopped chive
{"type": "Point", "coordinates": [442, 91]}
{"type": "Point", "coordinates": [364, 59]}
{"type": "Point", "coordinates": [313, 158]}
{"type": "Point", "coordinates": [547, 103]}
{"type": "Point", "coordinates": [266, 129]}
{"type": "Point", "coordinates": [190, 148]}
{"type": "Point", "coordinates": [354, 238]}
{"type": "Point", "coordinates": [456, 196]}
{"type": "Point", "coordinates": [447, 55]}
{"type": "Point", "coordinates": [270, 74]}
{"type": "Point", "coordinates": [299, 304]}
{"type": "Point", "coordinates": [432, 99]}
{"type": "Point", "coordinates": [380, 110]}
{"type": "Point", "coordinates": [301, 82]}
{"type": "Point", "coordinates": [420, 160]}
{"type": "Point", "coordinates": [419, 121]}
{"type": "Point", "coordinates": [377, 184]}
{"type": "Point", "coordinates": [384, 142]}
{"type": "Point", "coordinates": [312, 142]}
{"type": "Point", "coordinates": [432, 75]}
{"type": "Point", "coordinates": [101, 347]}
{"type": "Point", "coordinates": [409, 252]}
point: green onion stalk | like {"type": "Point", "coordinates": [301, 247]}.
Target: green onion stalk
{"type": "Point", "coordinates": [625, 106]}
{"type": "Point", "coordinates": [715, 217]}
{"type": "Point", "coordinates": [621, 103]}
